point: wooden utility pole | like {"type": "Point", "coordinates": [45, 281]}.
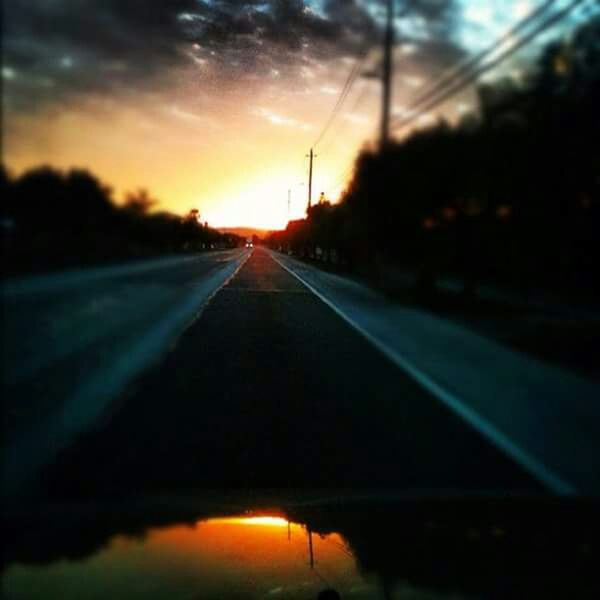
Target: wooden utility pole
{"type": "Point", "coordinates": [387, 75]}
{"type": "Point", "coordinates": [310, 173]}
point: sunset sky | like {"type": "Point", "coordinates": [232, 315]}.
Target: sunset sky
{"type": "Point", "coordinates": [214, 104]}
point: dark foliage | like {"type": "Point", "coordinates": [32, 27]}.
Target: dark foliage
{"type": "Point", "coordinates": [509, 196]}
{"type": "Point", "coordinates": [55, 220]}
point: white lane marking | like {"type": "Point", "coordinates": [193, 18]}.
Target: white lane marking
{"type": "Point", "coordinates": [532, 465]}
{"type": "Point", "coordinates": [218, 289]}
{"type": "Point", "coordinates": [71, 326]}
{"type": "Point", "coordinates": [90, 401]}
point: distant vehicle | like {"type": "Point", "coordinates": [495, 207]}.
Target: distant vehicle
{"type": "Point", "coordinates": [249, 244]}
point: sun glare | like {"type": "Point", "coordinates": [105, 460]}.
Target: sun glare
{"type": "Point", "coordinates": [264, 520]}
{"type": "Point", "coordinates": [264, 203]}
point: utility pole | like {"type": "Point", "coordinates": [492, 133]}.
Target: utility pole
{"type": "Point", "coordinates": [387, 74]}
{"type": "Point", "coordinates": [310, 172]}
{"type": "Point", "coordinates": [311, 554]}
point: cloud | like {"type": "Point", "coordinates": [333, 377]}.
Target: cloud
{"type": "Point", "coordinates": [279, 120]}
{"type": "Point", "coordinates": [86, 46]}
{"type": "Point", "coordinates": [191, 117]}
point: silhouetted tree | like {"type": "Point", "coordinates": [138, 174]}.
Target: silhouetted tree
{"type": "Point", "coordinates": [52, 219]}
{"type": "Point", "coordinates": [139, 202]}
{"type": "Point", "coordinates": [511, 194]}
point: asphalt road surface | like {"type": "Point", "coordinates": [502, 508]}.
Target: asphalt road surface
{"type": "Point", "coordinates": [74, 340]}
{"type": "Point", "coordinates": [269, 388]}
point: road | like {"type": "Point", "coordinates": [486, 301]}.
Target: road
{"type": "Point", "coordinates": [270, 388]}
{"type": "Point", "coordinates": [73, 341]}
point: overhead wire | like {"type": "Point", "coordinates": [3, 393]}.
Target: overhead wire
{"type": "Point", "coordinates": [354, 73]}
{"type": "Point", "coordinates": [341, 178]}
{"type": "Point", "coordinates": [335, 138]}
{"type": "Point", "coordinates": [444, 95]}
{"type": "Point", "coordinates": [465, 66]}
{"type": "Point", "coordinates": [468, 71]}
{"type": "Point", "coordinates": [352, 76]}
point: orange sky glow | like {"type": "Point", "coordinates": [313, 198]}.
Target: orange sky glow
{"type": "Point", "coordinates": [223, 123]}
{"type": "Point", "coordinates": [249, 555]}
{"type": "Point", "coordinates": [235, 161]}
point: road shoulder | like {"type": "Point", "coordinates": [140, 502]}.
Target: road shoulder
{"type": "Point", "coordinates": [544, 417]}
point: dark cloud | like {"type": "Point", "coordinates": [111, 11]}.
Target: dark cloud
{"type": "Point", "coordinates": [56, 48]}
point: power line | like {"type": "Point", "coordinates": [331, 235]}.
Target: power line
{"type": "Point", "coordinates": [354, 73]}
{"type": "Point", "coordinates": [340, 547]}
{"type": "Point", "coordinates": [343, 125]}
{"type": "Point", "coordinates": [359, 100]}
{"type": "Point", "coordinates": [341, 179]}
{"type": "Point", "coordinates": [358, 63]}
{"type": "Point", "coordinates": [386, 76]}
{"type": "Point", "coordinates": [433, 99]}
{"type": "Point", "coordinates": [435, 95]}
{"type": "Point", "coordinates": [464, 67]}
{"type": "Point", "coordinates": [459, 86]}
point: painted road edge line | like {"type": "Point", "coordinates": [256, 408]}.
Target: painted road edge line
{"type": "Point", "coordinates": [23, 459]}
{"type": "Point", "coordinates": [243, 259]}
{"type": "Point", "coordinates": [532, 465]}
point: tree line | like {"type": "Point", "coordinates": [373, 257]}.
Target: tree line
{"type": "Point", "coordinates": [53, 219]}
{"type": "Point", "coordinates": [509, 195]}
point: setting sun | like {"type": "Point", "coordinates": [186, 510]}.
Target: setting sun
{"type": "Point", "coordinates": [264, 520]}
{"type": "Point", "coordinates": [263, 202]}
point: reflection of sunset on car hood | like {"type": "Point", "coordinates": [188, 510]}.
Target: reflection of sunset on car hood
{"type": "Point", "coordinates": [244, 556]}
